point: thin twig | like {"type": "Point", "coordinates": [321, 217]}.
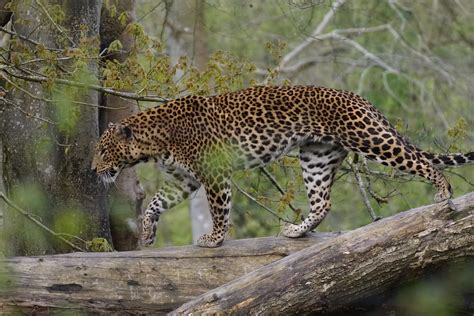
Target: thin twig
{"type": "Point", "coordinates": [73, 237]}
{"type": "Point", "coordinates": [60, 30]}
{"type": "Point", "coordinates": [461, 176]}
{"type": "Point", "coordinates": [253, 199]}
{"type": "Point", "coordinates": [150, 11]}
{"type": "Point", "coordinates": [376, 196]}
{"type": "Point", "coordinates": [19, 108]}
{"type": "Point", "coordinates": [310, 39]}
{"type": "Point", "coordinates": [277, 185]}
{"type": "Point", "coordinates": [364, 51]}
{"type": "Point", "coordinates": [363, 193]}
{"type": "Point", "coordinates": [26, 39]}
{"type": "Point", "coordinates": [37, 222]}
{"type": "Point", "coordinates": [317, 31]}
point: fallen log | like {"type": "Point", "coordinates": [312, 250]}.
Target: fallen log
{"type": "Point", "coordinates": [348, 268]}
{"type": "Point", "coordinates": [150, 281]}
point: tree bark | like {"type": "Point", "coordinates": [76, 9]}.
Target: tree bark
{"type": "Point", "coordinates": [149, 281]}
{"type": "Point", "coordinates": [41, 159]}
{"type": "Point", "coordinates": [4, 13]}
{"type": "Point", "coordinates": [126, 202]}
{"type": "Point", "coordinates": [5, 16]}
{"type": "Point", "coordinates": [351, 267]}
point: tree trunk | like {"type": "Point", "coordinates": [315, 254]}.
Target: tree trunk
{"type": "Point", "coordinates": [5, 16]}
{"type": "Point", "coordinates": [4, 13]}
{"type": "Point", "coordinates": [356, 265]}
{"type": "Point", "coordinates": [125, 202]}
{"type": "Point", "coordinates": [324, 271]}
{"type": "Point", "coordinates": [148, 281]}
{"type": "Point", "coordinates": [45, 165]}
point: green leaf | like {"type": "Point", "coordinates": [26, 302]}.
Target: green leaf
{"type": "Point", "coordinates": [123, 18]}
{"type": "Point", "coordinates": [115, 46]}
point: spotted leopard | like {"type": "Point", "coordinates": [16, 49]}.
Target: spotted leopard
{"type": "Point", "coordinates": [199, 140]}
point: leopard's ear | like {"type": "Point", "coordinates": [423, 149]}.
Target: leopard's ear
{"type": "Point", "coordinates": [111, 125]}
{"type": "Point", "coordinates": [125, 132]}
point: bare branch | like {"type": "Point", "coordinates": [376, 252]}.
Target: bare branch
{"type": "Point", "coordinates": [341, 34]}
{"type": "Point", "coordinates": [126, 95]}
{"type": "Point", "coordinates": [374, 195]}
{"type": "Point", "coordinates": [388, 88]}
{"type": "Point", "coordinates": [304, 63]}
{"type": "Point", "coordinates": [253, 199]}
{"type": "Point", "coordinates": [364, 51]}
{"type": "Point", "coordinates": [310, 39]}
{"type": "Point", "coordinates": [45, 100]}
{"type": "Point", "coordinates": [360, 183]}
{"type": "Point", "coordinates": [277, 185]}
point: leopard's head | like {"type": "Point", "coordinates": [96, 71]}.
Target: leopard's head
{"type": "Point", "coordinates": [114, 151]}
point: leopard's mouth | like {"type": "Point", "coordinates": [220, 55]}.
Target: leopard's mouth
{"type": "Point", "coordinates": [108, 176]}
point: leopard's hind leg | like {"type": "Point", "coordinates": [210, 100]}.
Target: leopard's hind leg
{"type": "Point", "coordinates": [219, 194]}
{"type": "Point", "coordinates": [319, 163]}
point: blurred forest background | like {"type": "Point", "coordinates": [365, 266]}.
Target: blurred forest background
{"type": "Point", "coordinates": [70, 67]}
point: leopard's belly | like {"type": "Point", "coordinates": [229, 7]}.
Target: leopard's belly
{"type": "Point", "coordinates": [249, 155]}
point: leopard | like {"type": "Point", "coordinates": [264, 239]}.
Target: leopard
{"type": "Point", "coordinates": [202, 140]}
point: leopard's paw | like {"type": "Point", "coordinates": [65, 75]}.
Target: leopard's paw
{"type": "Point", "coordinates": [293, 231]}
{"type": "Point", "coordinates": [209, 241]}
{"type": "Point", "coordinates": [442, 196]}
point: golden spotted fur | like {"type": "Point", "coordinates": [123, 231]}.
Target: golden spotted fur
{"type": "Point", "coordinates": [201, 140]}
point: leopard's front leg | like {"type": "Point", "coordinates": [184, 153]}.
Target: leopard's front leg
{"type": "Point", "coordinates": [176, 187]}
{"type": "Point", "coordinates": [219, 197]}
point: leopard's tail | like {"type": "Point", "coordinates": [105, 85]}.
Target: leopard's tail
{"type": "Point", "coordinates": [449, 160]}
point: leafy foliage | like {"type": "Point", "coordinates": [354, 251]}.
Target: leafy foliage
{"type": "Point", "coordinates": [99, 245]}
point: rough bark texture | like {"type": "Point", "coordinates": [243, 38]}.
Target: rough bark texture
{"type": "Point", "coordinates": [148, 281]}
{"type": "Point", "coordinates": [125, 202]}
{"type": "Point", "coordinates": [40, 155]}
{"type": "Point", "coordinates": [351, 267]}
{"type": "Point", "coordinates": [5, 16]}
